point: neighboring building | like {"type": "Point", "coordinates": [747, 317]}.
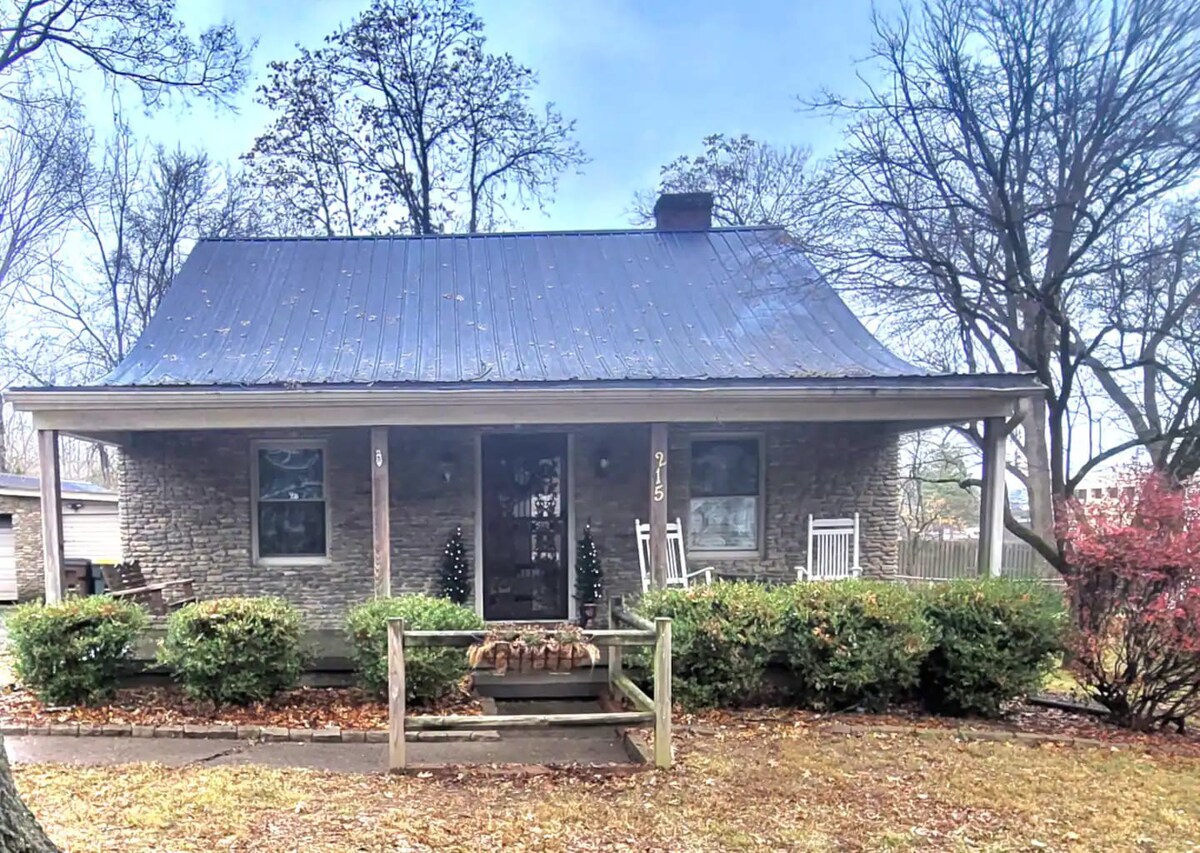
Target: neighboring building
{"type": "Point", "coordinates": [1109, 485]}
{"type": "Point", "coordinates": [91, 531]}
{"type": "Point", "coordinates": [312, 417]}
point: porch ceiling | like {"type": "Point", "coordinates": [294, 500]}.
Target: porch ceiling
{"type": "Point", "coordinates": [105, 413]}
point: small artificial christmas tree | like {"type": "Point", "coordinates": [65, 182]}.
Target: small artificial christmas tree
{"type": "Point", "coordinates": [456, 572]}
{"type": "Point", "coordinates": [589, 577]}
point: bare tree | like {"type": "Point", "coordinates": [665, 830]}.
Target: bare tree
{"type": "Point", "coordinates": [512, 154]}
{"type": "Point", "coordinates": [406, 106]}
{"type": "Point", "coordinates": [44, 161]}
{"type": "Point", "coordinates": [933, 499]}
{"type": "Point", "coordinates": [139, 41]}
{"type": "Point", "coordinates": [753, 183]}
{"type": "Point", "coordinates": [150, 207]}
{"type": "Point", "coordinates": [307, 159]}
{"type": "Point", "coordinates": [988, 174]}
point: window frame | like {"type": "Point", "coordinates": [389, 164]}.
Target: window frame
{"type": "Point", "coordinates": [759, 551]}
{"type": "Point", "coordinates": [320, 444]}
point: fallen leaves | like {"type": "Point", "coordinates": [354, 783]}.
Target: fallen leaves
{"type": "Point", "coordinates": [306, 707]}
{"type": "Point", "coordinates": [1020, 717]}
{"type": "Point", "coordinates": [778, 788]}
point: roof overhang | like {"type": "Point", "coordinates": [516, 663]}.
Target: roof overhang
{"type": "Point", "coordinates": [101, 411]}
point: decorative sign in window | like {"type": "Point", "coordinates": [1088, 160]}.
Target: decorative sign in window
{"type": "Point", "coordinates": [725, 495]}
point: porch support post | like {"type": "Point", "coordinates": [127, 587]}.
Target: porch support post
{"type": "Point", "coordinates": [52, 532]}
{"type": "Point", "coordinates": [658, 505]}
{"type": "Point", "coordinates": [380, 521]}
{"type": "Point", "coordinates": [991, 498]}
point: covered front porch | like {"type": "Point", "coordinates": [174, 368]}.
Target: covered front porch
{"type": "Point", "coordinates": [328, 497]}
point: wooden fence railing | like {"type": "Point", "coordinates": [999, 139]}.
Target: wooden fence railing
{"type": "Point", "coordinates": [656, 710]}
{"type": "Point", "coordinates": [950, 560]}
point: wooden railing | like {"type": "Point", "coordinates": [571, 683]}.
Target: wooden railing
{"type": "Point", "coordinates": [641, 632]}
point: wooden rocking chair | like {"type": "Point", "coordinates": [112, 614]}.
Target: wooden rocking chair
{"type": "Point", "coordinates": [677, 568]}
{"type": "Point", "coordinates": [125, 580]}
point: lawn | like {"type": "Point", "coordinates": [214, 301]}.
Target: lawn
{"type": "Point", "coordinates": [768, 786]}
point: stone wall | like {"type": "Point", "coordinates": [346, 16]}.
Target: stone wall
{"type": "Point", "coordinates": [828, 470]}
{"type": "Point", "coordinates": [186, 504]}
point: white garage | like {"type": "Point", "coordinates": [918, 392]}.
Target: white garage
{"type": "Point", "coordinates": [91, 531]}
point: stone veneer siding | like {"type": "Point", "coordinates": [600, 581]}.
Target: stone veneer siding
{"type": "Point", "coordinates": [186, 504]}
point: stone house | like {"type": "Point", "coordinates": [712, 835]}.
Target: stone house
{"type": "Point", "coordinates": [90, 523]}
{"type": "Point", "coordinates": [312, 417]}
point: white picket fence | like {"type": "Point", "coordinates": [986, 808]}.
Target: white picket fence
{"type": "Point", "coordinates": [935, 560]}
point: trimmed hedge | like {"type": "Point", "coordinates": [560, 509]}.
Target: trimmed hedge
{"type": "Point", "coordinates": [723, 636]}
{"type": "Point", "coordinates": [962, 648]}
{"type": "Point", "coordinates": [853, 643]}
{"type": "Point", "coordinates": [73, 652]}
{"type": "Point", "coordinates": [429, 673]}
{"type": "Point", "coordinates": [995, 641]}
{"type": "Point", "coordinates": [234, 650]}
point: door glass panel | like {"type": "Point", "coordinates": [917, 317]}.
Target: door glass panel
{"type": "Point", "coordinates": [525, 546]}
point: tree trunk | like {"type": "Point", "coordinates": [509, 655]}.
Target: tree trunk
{"type": "Point", "coordinates": [1037, 460]}
{"type": "Point", "coordinates": [19, 829]}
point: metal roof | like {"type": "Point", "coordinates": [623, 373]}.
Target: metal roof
{"type": "Point", "coordinates": [719, 304]}
{"type": "Point", "coordinates": [10, 483]}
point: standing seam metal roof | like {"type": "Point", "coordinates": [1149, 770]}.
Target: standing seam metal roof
{"type": "Point", "coordinates": [721, 304]}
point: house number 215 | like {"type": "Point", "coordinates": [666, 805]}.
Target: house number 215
{"type": "Point", "coordinates": [660, 462]}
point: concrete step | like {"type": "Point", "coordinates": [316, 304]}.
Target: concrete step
{"type": "Point", "coordinates": [581, 683]}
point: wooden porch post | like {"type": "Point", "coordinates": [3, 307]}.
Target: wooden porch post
{"type": "Point", "coordinates": [992, 498]}
{"type": "Point", "coordinates": [658, 505]}
{"type": "Point", "coordinates": [397, 691]}
{"type": "Point", "coordinates": [380, 519]}
{"type": "Point", "coordinates": [52, 533]}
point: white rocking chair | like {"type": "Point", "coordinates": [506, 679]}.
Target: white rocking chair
{"type": "Point", "coordinates": [832, 550]}
{"type": "Point", "coordinates": [677, 571]}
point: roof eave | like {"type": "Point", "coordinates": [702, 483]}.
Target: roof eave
{"type": "Point", "coordinates": [130, 409]}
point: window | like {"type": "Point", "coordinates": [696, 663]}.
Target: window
{"type": "Point", "coordinates": [725, 500]}
{"type": "Point", "coordinates": [289, 502]}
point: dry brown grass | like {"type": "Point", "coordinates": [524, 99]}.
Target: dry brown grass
{"type": "Point", "coordinates": [762, 787]}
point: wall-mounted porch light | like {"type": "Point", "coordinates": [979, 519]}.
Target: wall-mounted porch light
{"type": "Point", "coordinates": [446, 466]}
{"type": "Point", "coordinates": [603, 462]}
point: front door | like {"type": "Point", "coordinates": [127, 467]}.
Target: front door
{"type": "Point", "coordinates": [525, 545]}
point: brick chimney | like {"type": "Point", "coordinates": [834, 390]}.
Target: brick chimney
{"type": "Point", "coordinates": [683, 212]}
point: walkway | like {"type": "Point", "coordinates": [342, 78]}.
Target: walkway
{"type": "Point", "coordinates": [553, 746]}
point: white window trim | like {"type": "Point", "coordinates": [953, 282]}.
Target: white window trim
{"type": "Point", "coordinates": [758, 552]}
{"type": "Point", "coordinates": [289, 444]}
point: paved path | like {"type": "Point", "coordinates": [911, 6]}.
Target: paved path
{"type": "Point", "coordinates": [597, 746]}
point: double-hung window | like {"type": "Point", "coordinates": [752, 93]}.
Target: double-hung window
{"type": "Point", "coordinates": [725, 498]}
{"type": "Point", "coordinates": [290, 509]}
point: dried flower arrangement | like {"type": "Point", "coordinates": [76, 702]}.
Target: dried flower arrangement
{"type": "Point", "coordinates": [525, 648]}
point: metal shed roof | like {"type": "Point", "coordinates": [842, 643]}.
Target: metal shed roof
{"type": "Point", "coordinates": [718, 304]}
{"type": "Point", "coordinates": [25, 484]}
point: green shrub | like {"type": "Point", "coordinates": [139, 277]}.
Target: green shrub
{"type": "Point", "coordinates": [994, 641]}
{"type": "Point", "coordinates": [73, 652]}
{"type": "Point", "coordinates": [234, 650]}
{"type": "Point", "coordinates": [853, 643]}
{"type": "Point", "coordinates": [722, 638]}
{"type": "Point", "coordinates": [429, 673]}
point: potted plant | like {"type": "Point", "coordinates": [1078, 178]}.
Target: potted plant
{"type": "Point", "coordinates": [534, 647]}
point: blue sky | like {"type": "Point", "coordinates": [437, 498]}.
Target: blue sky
{"type": "Point", "coordinates": [644, 80]}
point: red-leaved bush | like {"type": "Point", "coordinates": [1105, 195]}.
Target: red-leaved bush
{"type": "Point", "coordinates": [1134, 590]}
